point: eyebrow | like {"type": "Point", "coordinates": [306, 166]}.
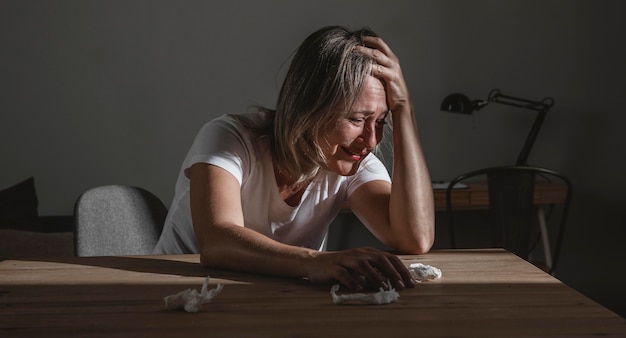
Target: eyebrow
{"type": "Point", "coordinates": [369, 113]}
{"type": "Point", "coordinates": [364, 112]}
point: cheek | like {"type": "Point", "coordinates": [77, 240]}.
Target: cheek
{"type": "Point", "coordinates": [329, 144]}
{"type": "Point", "coordinates": [350, 133]}
{"type": "Point", "coordinates": [343, 136]}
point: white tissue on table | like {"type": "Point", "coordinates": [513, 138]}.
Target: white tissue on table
{"type": "Point", "coordinates": [422, 272]}
{"type": "Point", "coordinates": [190, 300]}
{"type": "Point", "coordinates": [379, 298]}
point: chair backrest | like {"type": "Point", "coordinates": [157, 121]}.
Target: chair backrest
{"type": "Point", "coordinates": [511, 191]}
{"type": "Point", "coordinates": [117, 220]}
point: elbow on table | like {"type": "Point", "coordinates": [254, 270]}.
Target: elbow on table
{"type": "Point", "coordinates": [210, 256]}
{"type": "Point", "coordinates": [205, 262]}
{"type": "Point", "coordinates": [416, 239]}
{"type": "Point", "coordinates": [415, 245]}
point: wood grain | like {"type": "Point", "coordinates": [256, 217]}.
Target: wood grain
{"type": "Point", "coordinates": [482, 293]}
{"type": "Point", "coordinates": [476, 195]}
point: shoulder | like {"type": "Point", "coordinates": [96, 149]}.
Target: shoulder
{"type": "Point", "coordinates": [371, 169]}
{"type": "Point", "coordinates": [241, 122]}
{"type": "Point", "coordinates": [231, 128]}
{"type": "Point", "coordinates": [227, 142]}
{"type": "Point", "coordinates": [253, 122]}
{"type": "Point", "coordinates": [373, 166]}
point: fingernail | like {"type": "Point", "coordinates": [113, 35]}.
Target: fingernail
{"type": "Point", "coordinates": [401, 283]}
{"type": "Point", "coordinates": [385, 285]}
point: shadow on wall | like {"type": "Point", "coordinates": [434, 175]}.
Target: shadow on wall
{"type": "Point", "coordinates": [594, 250]}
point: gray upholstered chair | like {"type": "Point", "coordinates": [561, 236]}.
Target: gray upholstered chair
{"type": "Point", "coordinates": [117, 220]}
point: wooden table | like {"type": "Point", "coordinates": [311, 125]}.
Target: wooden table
{"type": "Point", "coordinates": [476, 196]}
{"type": "Point", "coordinates": [482, 293]}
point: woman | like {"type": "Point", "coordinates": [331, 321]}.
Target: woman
{"type": "Point", "coordinates": [257, 191]}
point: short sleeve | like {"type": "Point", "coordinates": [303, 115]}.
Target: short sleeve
{"type": "Point", "coordinates": [221, 143]}
{"type": "Point", "coordinates": [371, 169]}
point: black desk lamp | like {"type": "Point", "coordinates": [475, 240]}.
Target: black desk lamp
{"type": "Point", "coordinates": [460, 103]}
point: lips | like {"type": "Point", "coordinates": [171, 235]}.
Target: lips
{"type": "Point", "coordinates": [355, 156]}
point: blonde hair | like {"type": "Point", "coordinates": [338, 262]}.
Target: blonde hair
{"type": "Point", "coordinates": [324, 80]}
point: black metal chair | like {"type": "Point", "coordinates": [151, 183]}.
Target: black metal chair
{"type": "Point", "coordinates": [511, 209]}
{"type": "Point", "coordinates": [117, 220]}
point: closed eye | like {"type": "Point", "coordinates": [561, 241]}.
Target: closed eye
{"type": "Point", "coordinates": [356, 120]}
{"type": "Point", "coordinates": [359, 120]}
{"type": "Point", "coordinates": [383, 121]}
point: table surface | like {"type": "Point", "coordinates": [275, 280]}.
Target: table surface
{"type": "Point", "coordinates": [482, 292]}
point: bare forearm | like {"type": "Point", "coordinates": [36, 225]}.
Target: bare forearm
{"type": "Point", "coordinates": [223, 240]}
{"type": "Point", "coordinates": [411, 205]}
{"type": "Point", "coordinates": [238, 248]}
{"type": "Point", "coordinates": [241, 249]}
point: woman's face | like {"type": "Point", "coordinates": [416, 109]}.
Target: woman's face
{"type": "Point", "coordinates": [356, 136]}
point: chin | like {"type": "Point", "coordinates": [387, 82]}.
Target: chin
{"type": "Point", "coordinates": [343, 168]}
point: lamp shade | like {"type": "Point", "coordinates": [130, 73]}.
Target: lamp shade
{"type": "Point", "coordinates": [457, 103]}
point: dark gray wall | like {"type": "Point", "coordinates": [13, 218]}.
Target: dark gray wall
{"type": "Point", "coordinates": [100, 92]}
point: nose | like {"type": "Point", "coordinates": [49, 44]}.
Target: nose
{"type": "Point", "coordinates": [369, 136]}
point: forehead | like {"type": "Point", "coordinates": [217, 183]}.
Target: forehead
{"type": "Point", "coordinates": [372, 99]}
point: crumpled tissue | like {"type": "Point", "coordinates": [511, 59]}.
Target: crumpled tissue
{"type": "Point", "coordinates": [191, 300]}
{"type": "Point", "coordinates": [422, 272]}
{"type": "Point", "coordinates": [381, 297]}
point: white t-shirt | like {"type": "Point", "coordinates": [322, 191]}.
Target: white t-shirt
{"type": "Point", "coordinates": [225, 143]}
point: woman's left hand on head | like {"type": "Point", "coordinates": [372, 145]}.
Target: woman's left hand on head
{"type": "Point", "coordinates": [388, 70]}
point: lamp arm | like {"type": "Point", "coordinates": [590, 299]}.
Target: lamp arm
{"type": "Point", "coordinates": [461, 104]}
{"type": "Point", "coordinates": [530, 139]}
{"type": "Point", "coordinates": [541, 107]}
{"type": "Point", "coordinates": [496, 96]}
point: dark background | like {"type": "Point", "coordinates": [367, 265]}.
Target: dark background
{"type": "Point", "coordinates": [101, 92]}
